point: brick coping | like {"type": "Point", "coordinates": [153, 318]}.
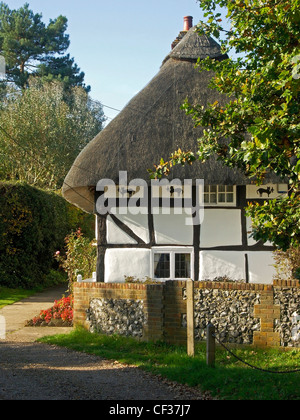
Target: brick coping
{"type": "Point", "coordinates": [197, 285]}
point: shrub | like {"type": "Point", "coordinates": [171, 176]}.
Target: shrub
{"type": "Point", "coordinates": [287, 264]}
{"type": "Point", "coordinates": [55, 278]}
{"type": "Point", "coordinates": [79, 256]}
{"type": "Point", "coordinates": [33, 224]}
{"type": "Point", "coordinates": [146, 280]}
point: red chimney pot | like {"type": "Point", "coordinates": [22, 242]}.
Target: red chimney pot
{"type": "Point", "coordinates": [188, 23]}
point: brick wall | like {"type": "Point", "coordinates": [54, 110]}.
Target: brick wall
{"type": "Point", "coordinates": [151, 295]}
{"type": "Point", "coordinates": [165, 306]}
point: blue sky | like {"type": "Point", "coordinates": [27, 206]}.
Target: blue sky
{"type": "Point", "coordinates": [119, 44]}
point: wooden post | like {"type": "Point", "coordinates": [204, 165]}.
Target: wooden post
{"type": "Point", "coordinates": [190, 318]}
{"type": "Point", "coordinates": [210, 345]}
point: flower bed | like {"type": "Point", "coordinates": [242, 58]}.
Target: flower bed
{"type": "Point", "coordinates": [60, 314]}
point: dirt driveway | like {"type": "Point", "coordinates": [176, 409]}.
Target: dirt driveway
{"type": "Point", "coordinates": [35, 371]}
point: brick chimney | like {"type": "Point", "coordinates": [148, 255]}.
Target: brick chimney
{"type": "Point", "coordinates": [188, 24]}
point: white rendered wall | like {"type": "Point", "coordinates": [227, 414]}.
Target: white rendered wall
{"type": "Point", "coordinates": [232, 264]}
{"type": "Point", "coordinates": [138, 223]}
{"type": "Point", "coordinates": [261, 267]}
{"type": "Point", "coordinates": [172, 229]}
{"type": "Point", "coordinates": [115, 235]}
{"type": "Point", "coordinates": [120, 262]}
{"type": "Point", "coordinates": [222, 263]}
{"type": "Point", "coordinates": [221, 227]}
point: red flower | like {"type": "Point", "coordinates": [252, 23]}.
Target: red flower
{"type": "Point", "coordinates": [62, 309]}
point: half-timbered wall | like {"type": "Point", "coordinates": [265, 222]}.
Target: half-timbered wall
{"type": "Point", "coordinates": [220, 246]}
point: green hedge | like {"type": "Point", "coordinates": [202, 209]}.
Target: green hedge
{"type": "Point", "coordinates": [33, 226]}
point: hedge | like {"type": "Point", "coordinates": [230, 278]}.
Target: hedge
{"type": "Point", "coordinates": [33, 226]}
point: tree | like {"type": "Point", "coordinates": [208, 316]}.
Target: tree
{"type": "Point", "coordinates": [43, 129]}
{"type": "Point", "coordinates": [258, 130]}
{"type": "Point", "coordinates": [64, 69]}
{"type": "Point", "coordinates": [32, 48]}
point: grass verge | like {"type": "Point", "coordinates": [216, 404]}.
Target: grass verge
{"type": "Point", "coordinates": [10, 296]}
{"type": "Point", "coordinates": [229, 380]}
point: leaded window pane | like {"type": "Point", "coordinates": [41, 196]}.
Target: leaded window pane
{"type": "Point", "coordinates": [161, 265]}
{"type": "Point", "coordinates": [182, 266]}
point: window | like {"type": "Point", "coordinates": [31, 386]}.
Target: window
{"type": "Point", "coordinates": [172, 264]}
{"type": "Point", "coordinates": [182, 266]}
{"type": "Point", "coordinates": [219, 195]}
{"type": "Point", "coordinates": [161, 265]}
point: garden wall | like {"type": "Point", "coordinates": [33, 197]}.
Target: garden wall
{"type": "Point", "coordinates": [263, 315]}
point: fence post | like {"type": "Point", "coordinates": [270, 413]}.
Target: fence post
{"type": "Point", "coordinates": [210, 345]}
{"type": "Point", "coordinates": [190, 318]}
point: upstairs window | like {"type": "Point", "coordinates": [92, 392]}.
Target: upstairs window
{"type": "Point", "coordinates": [219, 195]}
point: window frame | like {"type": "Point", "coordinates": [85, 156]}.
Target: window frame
{"type": "Point", "coordinates": [172, 251]}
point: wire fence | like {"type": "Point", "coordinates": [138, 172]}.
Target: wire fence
{"type": "Point", "coordinates": [214, 335]}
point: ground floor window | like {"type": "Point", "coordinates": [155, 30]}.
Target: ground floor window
{"type": "Point", "coordinates": [172, 263]}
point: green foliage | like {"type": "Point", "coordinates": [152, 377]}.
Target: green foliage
{"type": "Point", "coordinates": [32, 48]}
{"type": "Point", "coordinates": [65, 70]}
{"type": "Point", "coordinates": [79, 256]}
{"type": "Point", "coordinates": [277, 221]}
{"type": "Point", "coordinates": [46, 119]}
{"type": "Point", "coordinates": [33, 225]}
{"type": "Point", "coordinates": [258, 130]}
{"type": "Point", "coordinates": [46, 115]}
{"type": "Point", "coordinates": [42, 131]}
{"type": "Point", "coordinates": [54, 278]}
{"type": "Point", "coordinates": [78, 219]}
{"type": "Point", "coordinates": [287, 264]}
{"type": "Point", "coordinates": [179, 157]}
{"type": "Point", "coordinates": [135, 280]}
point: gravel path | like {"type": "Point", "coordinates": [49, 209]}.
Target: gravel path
{"type": "Point", "coordinates": [36, 371]}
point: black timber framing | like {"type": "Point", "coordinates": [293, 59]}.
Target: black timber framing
{"type": "Point", "coordinates": [241, 203]}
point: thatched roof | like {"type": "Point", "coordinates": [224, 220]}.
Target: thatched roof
{"type": "Point", "coordinates": [152, 126]}
{"type": "Point", "coordinates": [192, 46]}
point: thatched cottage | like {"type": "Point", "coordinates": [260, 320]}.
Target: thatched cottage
{"type": "Point", "coordinates": [146, 230]}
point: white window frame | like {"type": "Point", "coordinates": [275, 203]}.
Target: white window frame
{"type": "Point", "coordinates": [172, 251]}
{"type": "Point", "coordinates": [221, 204]}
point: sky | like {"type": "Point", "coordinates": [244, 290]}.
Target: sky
{"type": "Point", "coordinates": [118, 44]}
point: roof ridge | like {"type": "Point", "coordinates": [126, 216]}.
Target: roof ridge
{"type": "Point", "coordinates": [191, 46]}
